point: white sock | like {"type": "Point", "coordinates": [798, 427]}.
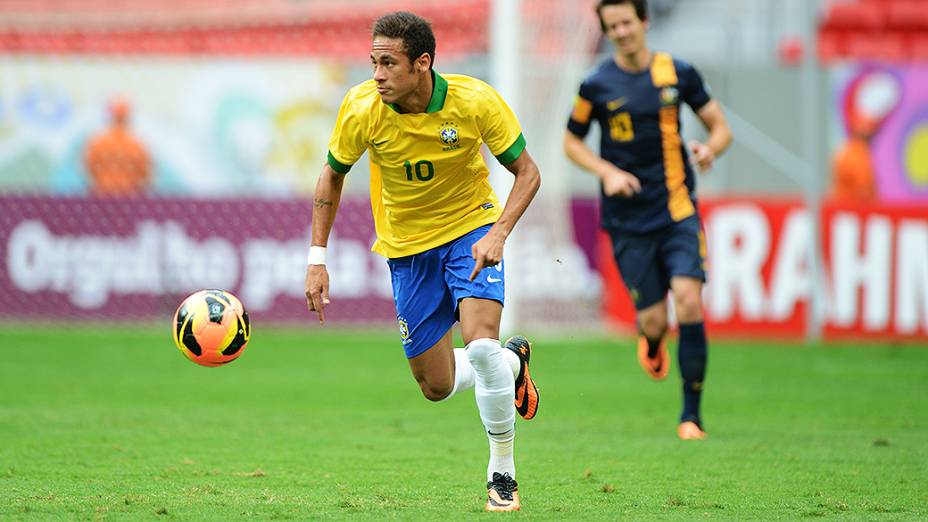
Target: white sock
{"type": "Point", "coordinates": [513, 360]}
{"type": "Point", "coordinates": [494, 387]}
{"type": "Point", "coordinates": [463, 373]}
{"type": "Point", "coordinates": [501, 455]}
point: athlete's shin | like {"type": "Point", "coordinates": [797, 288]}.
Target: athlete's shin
{"type": "Point", "coordinates": [493, 385]}
{"type": "Point", "coordinates": [693, 354]}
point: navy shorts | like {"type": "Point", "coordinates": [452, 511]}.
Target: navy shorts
{"type": "Point", "coordinates": [428, 286]}
{"type": "Point", "coordinates": [648, 261]}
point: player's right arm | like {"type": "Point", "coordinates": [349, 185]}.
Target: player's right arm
{"type": "Point", "coordinates": [325, 205]}
{"type": "Point", "coordinates": [346, 145]}
{"type": "Point", "coordinates": [616, 182]}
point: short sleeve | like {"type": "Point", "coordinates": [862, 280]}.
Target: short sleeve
{"type": "Point", "coordinates": [348, 141]}
{"type": "Point", "coordinates": [582, 113]}
{"type": "Point", "coordinates": [693, 91]}
{"type": "Point", "coordinates": [499, 128]}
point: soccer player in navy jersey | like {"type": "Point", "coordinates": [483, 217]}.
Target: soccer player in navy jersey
{"type": "Point", "coordinates": [648, 202]}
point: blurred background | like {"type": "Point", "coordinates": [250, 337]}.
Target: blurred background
{"type": "Point", "coordinates": [151, 148]}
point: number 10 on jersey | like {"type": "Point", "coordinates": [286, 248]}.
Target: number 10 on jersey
{"type": "Point", "coordinates": [423, 168]}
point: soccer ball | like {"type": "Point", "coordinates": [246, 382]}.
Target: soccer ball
{"type": "Point", "coordinates": [211, 327]}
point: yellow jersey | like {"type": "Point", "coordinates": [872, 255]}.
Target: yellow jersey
{"type": "Point", "coordinates": [429, 183]}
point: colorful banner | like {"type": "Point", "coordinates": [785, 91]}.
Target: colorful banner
{"type": "Point", "coordinates": [212, 126]}
{"type": "Point", "coordinates": [881, 129]}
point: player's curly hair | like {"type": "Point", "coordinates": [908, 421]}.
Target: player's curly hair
{"type": "Point", "coordinates": [415, 31]}
{"type": "Point", "coordinates": [641, 9]}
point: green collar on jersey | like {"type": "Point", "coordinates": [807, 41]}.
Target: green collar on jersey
{"type": "Point", "coordinates": [439, 92]}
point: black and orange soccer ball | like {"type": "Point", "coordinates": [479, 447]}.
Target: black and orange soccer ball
{"type": "Point", "coordinates": [211, 327]}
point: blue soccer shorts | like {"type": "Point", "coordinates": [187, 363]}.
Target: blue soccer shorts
{"type": "Point", "coordinates": [647, 262]}
{"type": "Point", "coordinates": [427, 288]}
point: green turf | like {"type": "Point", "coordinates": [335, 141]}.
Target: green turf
{"type": "Point", "coordinates": [329, 424]}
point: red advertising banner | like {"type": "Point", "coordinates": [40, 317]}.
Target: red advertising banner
{"type": "Point", "coordinates": [874, 277]}
{"type": "Point", "coordinates": [878, 271]}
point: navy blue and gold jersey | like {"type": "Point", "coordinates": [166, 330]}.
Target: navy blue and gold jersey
{"type": "Point", "coordinates": [639, 114]}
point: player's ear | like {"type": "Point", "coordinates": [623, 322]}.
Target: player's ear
{"type": "Point", "coordinates": [423, 62]}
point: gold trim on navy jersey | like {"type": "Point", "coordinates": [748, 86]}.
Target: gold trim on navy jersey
{"type": "Point", "coordinates": [679, 204]}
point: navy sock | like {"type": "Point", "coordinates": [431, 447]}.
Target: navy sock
{"type": "Point", "coordinates": [692, 354]}
{"type": "Point", "coordinates": [653, 346]}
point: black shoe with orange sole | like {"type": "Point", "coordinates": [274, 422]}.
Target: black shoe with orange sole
{"type": "Point", "coordinates": [526, 393]}
{"type": "Point", "coordinates": [503, 493]}
{"type": "Point", "coordinates": [656, 367]}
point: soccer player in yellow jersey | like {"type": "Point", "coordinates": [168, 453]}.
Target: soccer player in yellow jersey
{"type": "Point", "coordinates": [439, 225]}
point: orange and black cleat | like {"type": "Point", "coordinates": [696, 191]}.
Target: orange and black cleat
{"type": "Point", "coordinates": [690, 430]}
{"type": "Point", "coordinates": [503, 493]}
{"type": "Point", "coordinates": [658, 366]}
{"type": "Point", "coordinates": [526, 392]}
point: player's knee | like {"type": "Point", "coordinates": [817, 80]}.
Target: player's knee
{"type": "Point", "coordinates": [688, 307]}
{"type": "Point", "coordinates": [435, 391]}
{"type": "Point", "coordinates": [653, 326]}
{"type": "Point", "coordinates": [480, 352]}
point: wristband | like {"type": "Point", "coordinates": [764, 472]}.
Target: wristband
{"type": "Point", "coordinates": [316, 255]}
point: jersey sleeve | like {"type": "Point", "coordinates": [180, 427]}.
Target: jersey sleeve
{"type": "Point", "coordinates": [348, 141]}
{"type": "Point", "coordinates": [500, 128]}
{"type": "Point", "coordinates": [582, 113]}
{"type": "Point", "coordinates": [694, 91]}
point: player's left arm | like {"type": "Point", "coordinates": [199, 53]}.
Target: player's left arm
{"type": "Point", "coordinates": [488, 251]}
{"type": "Point", "coordinates": [713, 119]}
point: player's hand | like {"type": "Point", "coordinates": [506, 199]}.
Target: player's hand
{"type": "Point", "coordinates": [702, 155]}
{"type": "Point", "coordinates": [488, 251]}
{"type": "Point", "coordinates": [620, 183]}
{"type": "Point", "coordinates": [317, 290]}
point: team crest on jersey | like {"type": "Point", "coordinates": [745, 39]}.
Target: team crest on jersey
{"type": "Point", "coordinates": [669, 96]}
{"type": "Point", "coordinates": [404, 330]}
{"type": "Point", "coordinates": [448, 134]}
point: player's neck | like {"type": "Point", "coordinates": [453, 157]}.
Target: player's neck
{"type": "Point", "coordinates": [418, 100]}
{"type": "Point", "coordinates": [637, 62]}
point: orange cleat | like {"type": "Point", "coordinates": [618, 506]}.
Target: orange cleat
{"type": "Point", "coordinates": [658, 366]}
{"type": "Point", "coordinates": [503, 493]}
{"type": "Point", "coordinates": [526, 393]}
{"type": "Point", "coordinates": [689, 430]}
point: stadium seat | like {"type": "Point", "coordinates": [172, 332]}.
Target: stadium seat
{"type": "Point", "coordinates": [907, 14]}
{"type": "Point", "coordinates": [866, 16]}
{"type": "Point", "coordinates": [918, 48]}
{"type": "Point", "coordinates": [876, 46]}
{"type": "Point", "coordinates": [831, 46]}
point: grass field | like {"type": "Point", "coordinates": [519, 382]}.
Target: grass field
{"type": "Point", "coordinates": [319, 424]}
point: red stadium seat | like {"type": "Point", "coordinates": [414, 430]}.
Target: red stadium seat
{"type": "Point", "coordinates": [918, 47]}
{"type": "Point", "coordinates": [907, 14]}
{"type": "Point", "coordinates": [867, 16]}
{"type": "Point", "coordinates": [876, 46]}
{"type": "Point", "coordinates": [831, 46]}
